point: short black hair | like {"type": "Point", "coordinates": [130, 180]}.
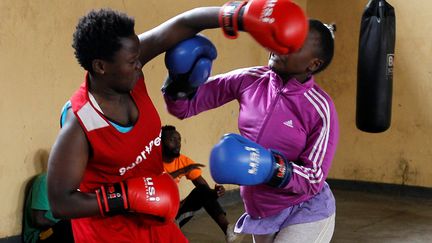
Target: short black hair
{"type": "Point", "coordinates": [166, 129]}
{"type": "Point", "coordinates": [326, 45]}
{"type": "Point", "coordinates": [97, 35]}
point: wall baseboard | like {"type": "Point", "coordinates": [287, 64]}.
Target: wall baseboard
{"type": "Point", "coordinates": [11, 239]}
{"type": "Point", "coordinates": [382, 188]}
{"type": "Point", "coordinates": [233, 196]}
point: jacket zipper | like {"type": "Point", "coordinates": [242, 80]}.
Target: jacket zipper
{"type": "Point", "coordinates": [268, 115]}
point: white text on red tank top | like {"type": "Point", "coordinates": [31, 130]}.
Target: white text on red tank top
{"type": "Point", "coordinates": [142, 155]}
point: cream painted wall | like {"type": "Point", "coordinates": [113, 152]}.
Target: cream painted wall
{"type": "Point", "coordinates": [402, 154]}
{"type": "Point", "coordinates": [38, 73]}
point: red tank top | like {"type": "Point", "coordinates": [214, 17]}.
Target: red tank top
{"type": "Point", "coordinates": [116, 156]}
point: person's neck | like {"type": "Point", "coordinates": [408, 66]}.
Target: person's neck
{"type": "Point", "coordinates": [101, 92]}
{"type": "Point", "coordinates": [302, 78]}
{"type": "Point", "coordinates": [167, 158]}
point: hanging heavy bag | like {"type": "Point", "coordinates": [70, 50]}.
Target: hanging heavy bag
{"type": "Point", "coordinates": [375, 67]}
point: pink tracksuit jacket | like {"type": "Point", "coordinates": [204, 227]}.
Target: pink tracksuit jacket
{"type": "Point", "coordinates": [297, 119]}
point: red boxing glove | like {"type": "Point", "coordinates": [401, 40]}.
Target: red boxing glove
{"type": "Point", "coordinates": [279, 25]}
{"type": "Point", "coordinates": [155, 196]}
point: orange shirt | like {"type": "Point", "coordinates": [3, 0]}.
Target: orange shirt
{"type": "Point", "coordinates": [181, 162]}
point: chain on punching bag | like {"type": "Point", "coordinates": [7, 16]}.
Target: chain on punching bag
{"type": "Point", "coordinates": [375, 67]}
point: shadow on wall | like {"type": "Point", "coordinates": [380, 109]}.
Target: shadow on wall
{"type": "Point", "coordinates": [40, 163]}
{"type": "Point", "coordinates": [40, 160]}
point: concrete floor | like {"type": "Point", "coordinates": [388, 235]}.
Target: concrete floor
{"type": "Point", "coordinates": [360, 218]}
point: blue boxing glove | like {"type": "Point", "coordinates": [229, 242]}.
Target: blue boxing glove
{"type": "Point", "coordinates": [189, 65]}
{"type": "Point", "coordinates": [238, 160]}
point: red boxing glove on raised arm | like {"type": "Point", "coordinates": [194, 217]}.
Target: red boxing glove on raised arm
{"type": "Point", "coordinates": [278, 25]}
{"type": "Point", "coordinates": [154, 196]}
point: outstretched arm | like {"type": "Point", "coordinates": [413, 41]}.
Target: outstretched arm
{"type": "Point", "coordinates": [178, 28]}
{"type": "Point", "coordinates": [266, 23]}
{"type": "Point", "coordinates": [185, 169]}
{"type": "Point", "coordinates": [219, 190]}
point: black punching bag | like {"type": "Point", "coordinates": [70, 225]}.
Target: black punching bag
{"type": "Point", "coordinates": [375, 67]}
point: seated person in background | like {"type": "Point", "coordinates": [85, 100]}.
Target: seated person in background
{"type": "Point", "coordinates": [39, 223]}
{"type": "Point", "coordinates": [178, 165]}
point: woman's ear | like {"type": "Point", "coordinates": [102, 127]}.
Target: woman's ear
{"type": "Point", "coordinates": [98, 66]}
{"type": "Point", "coordinates": [315, 64]}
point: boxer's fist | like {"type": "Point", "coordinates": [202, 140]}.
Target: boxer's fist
{"type": "Point", "coordinates": [155, 196]}
{"type": "Point", "coordinates": [238, 160]}
{"type": "Point", "coordinates": [189, 65]}
{"type": "Point", "coordinates": [280, 26]}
